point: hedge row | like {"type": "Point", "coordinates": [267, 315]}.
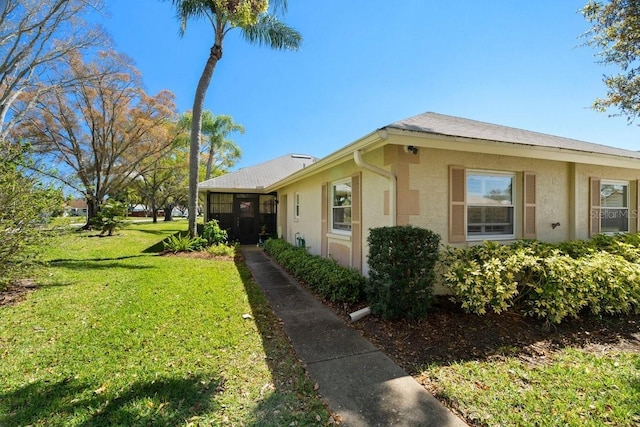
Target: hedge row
{"type": "Point", "coordinates": [550, 281]}
{"type": "Point", "coordinates": [328, 279]}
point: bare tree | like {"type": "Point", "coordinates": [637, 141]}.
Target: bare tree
{"type": "Point", "coordinates": [34, 36]}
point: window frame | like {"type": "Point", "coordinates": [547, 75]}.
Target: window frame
{"type": "Point", "coordinates": [220, 206]}
{"type": "Point", "coordinates": [602, 214]}
{"type": "Point", "coordinates": [513, 205]}
{"type": "Point", "coordinates": [333, 207]}
{"type": "Point", "coordinates": [296, 205]}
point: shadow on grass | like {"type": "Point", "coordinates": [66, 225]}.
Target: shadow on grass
{"type": "Point", "coordinates": [160, 401]}
{"type": "Point", "coordinates": [159, 246]}
{"type": "Point", "coordinates": [294, 400]}
{"type": "Point", "coordinates": [97, 263]}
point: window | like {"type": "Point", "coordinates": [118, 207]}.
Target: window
{"type": "Point", "coordinates": [221, 203]}
{"type": "Point", "coordinates": [490, 205]}
{"type": "Point", "coordinates": [267, 204]}
{"type": "Point", "coordinates": [341, 206]}
{"type": "Point", "coordinates": [614, 207]}
{"type": "Point", "coordinates": [297, 205]}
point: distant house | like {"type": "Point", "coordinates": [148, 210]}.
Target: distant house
{"type": "Point", "coordinates": [469, 181]}
{"type": "Point", "coordinates": [76, 207]}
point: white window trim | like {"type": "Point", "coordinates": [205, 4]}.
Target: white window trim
{"type": "Point", "coordinates": [296, 205]}
{"type": "Point", "coordinates": [602, 208]}
{"type": "Point", "coordinates": [514, 199]}
{"type": "Point", "coordinates": [333, 230]}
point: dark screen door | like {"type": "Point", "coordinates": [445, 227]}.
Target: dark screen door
{"type": "Point", "coordinates": [246, 220]}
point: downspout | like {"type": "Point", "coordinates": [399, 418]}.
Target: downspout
{"type": "Point", "coordinates": [393, 184]}
{"type": "Point", "coordinates": [393, 189]}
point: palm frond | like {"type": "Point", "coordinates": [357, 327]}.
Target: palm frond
{"type": "Point", "coordinates": [278, 7]}
{"type": "Point", "coordinates": [271, 32]}
{"type": "Point", "coordinates": [187, 10]}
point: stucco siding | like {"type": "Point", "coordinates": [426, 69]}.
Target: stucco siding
{"type": "Point", "coordinates": [307, 223]}
{"type": "Point", "coordinates": [431, 177]}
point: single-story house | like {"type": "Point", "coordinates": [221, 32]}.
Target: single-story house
{"type": "Point", "coordinates": [76, 207]}
{"type": "Point", "coordinates": [467, 180]}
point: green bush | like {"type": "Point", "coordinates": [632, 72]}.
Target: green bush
{"type": "Point", "coordinates": [109, 218]}
{"type": "Point", "coordinates": [221, 249]}
{"type": "Point", "coordinates": [26, 206]}
{"type": "Point", "coordinates": [327, 279]}
{"type": "Point", "coordinates": [401, 271]}
{"type": "Point", "coordinates": [183, 243]}
{"type": "Point", "coordinates": [549, 281]}
{"type": "Point", "coordinates": [213, 234]}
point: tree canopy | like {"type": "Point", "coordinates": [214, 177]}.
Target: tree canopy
{"type": "Point", "coordinates": [101, 128]}
{"type": "Point", "coordinates": [34, 36]}
{"type": "Point", "coordinates": [615, 31]}
{"type": "Point", "coordinates": [219, 152]}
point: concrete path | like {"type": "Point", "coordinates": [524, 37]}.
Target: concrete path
{"type": "Point", "coordinates": [358, 382]}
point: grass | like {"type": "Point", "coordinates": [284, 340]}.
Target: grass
{"type": "Point", "coordinates": [575, 388]}
{"type": "Point", "coordinates": [118, 335]}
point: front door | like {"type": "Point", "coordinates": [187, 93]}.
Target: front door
{"type": "Point", "coordinates": [246, 227]}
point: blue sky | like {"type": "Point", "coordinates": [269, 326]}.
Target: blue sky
{"type": "Point", "coordinates": [366, 63]}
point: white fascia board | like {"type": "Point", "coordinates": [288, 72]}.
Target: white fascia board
{"type": "Point", "coordinates": [482, 146]}
{"type": "Point", "coordinates": [367, 143]}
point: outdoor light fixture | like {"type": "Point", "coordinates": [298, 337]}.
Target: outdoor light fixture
{"type": "Point", "coordinates": [411, 149]}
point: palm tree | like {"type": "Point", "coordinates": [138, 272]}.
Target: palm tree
{"type": "Point", "coordinates": [214, 131]}
{"type": "Point", "coordinates": [259, 25]}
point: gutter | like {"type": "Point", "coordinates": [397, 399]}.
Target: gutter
{"type": "Point", "coordinates": [393, 183]}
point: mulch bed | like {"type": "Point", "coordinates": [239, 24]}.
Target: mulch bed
{"type": "Point", "coordinates": [16, 291]}
{"type": "Point", "coordinates": [450, 335]}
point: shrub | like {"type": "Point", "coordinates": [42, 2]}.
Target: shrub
{"type": "Point", "coordinates": [401, 270]}
{"type": "Point", "coordinates": [549, 281]}
{"type": "Point", "coordinates": [109, 219]}
{"type": "Point", "coordinates": [213, 234]}
{"type": "Point", "coordinates": [26, 205]}
{"type": "Point", "coordinates": [326, 277]}
{"type": "Point", "coordinates": [183, 243]}
{"type": "Point", "coordinates": [221, 249]}
{"type": "Point", "coordinates": [483, 278]}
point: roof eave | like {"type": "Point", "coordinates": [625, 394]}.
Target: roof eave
{"type": "Point", "coordinates": [515, 149]}
{"type": "Point", "coordinates": [368, 142]}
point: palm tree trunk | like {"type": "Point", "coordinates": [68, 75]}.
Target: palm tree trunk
{"type": "Point", "coordinates": [212, 152]}
{"type": "Point", "coordinates": [196, 124]}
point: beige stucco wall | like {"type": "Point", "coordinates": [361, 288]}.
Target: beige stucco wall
{"type": "Point", "coordinates": [562, 192]}
{"type": "Point", "coordinates": [309, 223]}
{"type": "Point", "coordinates": [431, 177]}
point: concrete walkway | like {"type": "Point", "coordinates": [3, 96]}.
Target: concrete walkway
{"type": "Point", "coordinates": [358, 382]}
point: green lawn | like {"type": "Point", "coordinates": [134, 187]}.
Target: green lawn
{"type": "Point", "coordinates": [118, 335]}
{"type": "Point", "coordinates": [575, 388]}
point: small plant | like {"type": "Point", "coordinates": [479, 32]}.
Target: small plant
{"type": "Point", "coordinates": [213, 234]}
{"type": "Point", "coordinates": [109, 219]}
{"type": "Point", "coordinates": [222, 250]}
{"type": "Point", "coordinates": [184, 243]}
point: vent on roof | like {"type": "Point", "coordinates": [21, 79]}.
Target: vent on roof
{"type": "Point", "coordinates": [300, 156]}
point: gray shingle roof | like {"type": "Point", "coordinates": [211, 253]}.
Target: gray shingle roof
{"type": "Point", "coordinates": [259, 176]}
{"type": "Point", "coordinates": [440, 124]}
